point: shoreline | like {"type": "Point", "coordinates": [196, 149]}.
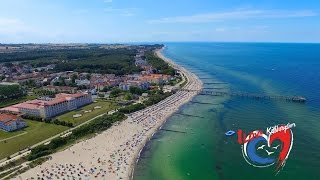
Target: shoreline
{"type": "Point", "coordinates": [185, 74]}
{"type": "Point", "coordinates": [114, 153]}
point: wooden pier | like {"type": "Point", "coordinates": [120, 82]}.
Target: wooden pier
{"type": "Point", "coordinates": [298, 99]}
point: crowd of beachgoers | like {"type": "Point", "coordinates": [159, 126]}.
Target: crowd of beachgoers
{"type": "Point", "coordinates": [113, 153]}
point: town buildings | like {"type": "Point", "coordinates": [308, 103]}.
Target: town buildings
{"type": "Point", "coordinates": [132, 83]}
{"type": "Point", "coordinates": [156, 78]}
{"type": "Point", "coordinates": [60, 89]}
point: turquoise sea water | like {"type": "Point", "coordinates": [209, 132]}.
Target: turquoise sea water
{"type": "Point", "coordinates": [204, 152]}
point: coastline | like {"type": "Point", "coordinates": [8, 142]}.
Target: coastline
{"type": "Point", "coordinates": [114, 153]}
{"type": "Point", "coordinates": [190, 79]}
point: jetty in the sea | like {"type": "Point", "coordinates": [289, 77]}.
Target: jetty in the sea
{"type": "Point", "coordinates": [298, 99]}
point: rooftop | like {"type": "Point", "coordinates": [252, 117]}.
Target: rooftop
{"type": "Point", "coordinates": [7, 118]}
{"type": "Point", "coordinates": [37, 104]}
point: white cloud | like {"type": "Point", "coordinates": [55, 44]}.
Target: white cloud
{"type": "Point", "coordinates": [235, 15]}
{"type": "Point", "coordinates": [12, 26]}
{"type": "Point", "coordinates": [122, 11]}
{"type": "Point", "coordinates": [220, 29]}
{"type": "Point", "coordinates": [80, 11]}
{"type": "Point", "coordinates": [13, 30]}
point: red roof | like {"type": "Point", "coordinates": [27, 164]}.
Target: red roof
{"type": "Point", "coordinates": [10, 109]}
{"type": "Point", "coordinates": [7, 118]}
{"type": "Point", "coordinates": [37, 104]}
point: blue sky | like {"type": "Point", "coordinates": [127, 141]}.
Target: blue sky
{"type": "Point", "coordinates": [109, 21]}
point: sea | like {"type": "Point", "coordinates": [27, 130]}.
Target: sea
{"type": "Point", "coordinates": [198, 148]}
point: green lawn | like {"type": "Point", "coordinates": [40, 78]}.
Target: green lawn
{"type": "Point", "coordinates": [105, 107]}
{"type": "Point", "coordinates": [5, 135]}
{"type": "Point", "coordinates": [36, 132]}
{"type": "Point", "coordinates": [39, 131]}
{"type": "Point", "coordinates": [16, 101]}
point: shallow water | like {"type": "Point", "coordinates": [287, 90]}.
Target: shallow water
{"type": "Point", "coordinates": [204, 152]}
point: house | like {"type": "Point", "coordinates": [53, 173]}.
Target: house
{"type": "Point", "coordinates": [8, 83]}
{"type": "Point", "coordinates": [156, 78]}
{"type": "Point", "coordinates": [54, 80]}
{"type": "Point", "coordinates": [143, 97]}
{"type": "Point", "coordinates": [60, 89]}
{"type": "Point", "coordinates": [84, 82]}
{"type": "Point", "coordinates": [125, 86]}
{"type": "Point", "coordinates": [99, 85]}
{"type": "Point", "coordinates": [10, 122]}
{"type": "Point", "coordinates": [131, 83]}
{"type": "Point", "coordinates": [139, 61]}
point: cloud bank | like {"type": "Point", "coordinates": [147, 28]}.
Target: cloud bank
{"type": "Point", "coordinates": [235, 15]}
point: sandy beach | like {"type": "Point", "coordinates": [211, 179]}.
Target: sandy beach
{"type": "Point", "coordinates": [113, 153]}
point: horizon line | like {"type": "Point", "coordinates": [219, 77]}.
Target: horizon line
{"type": "Point", "coordinates": [162, 42]}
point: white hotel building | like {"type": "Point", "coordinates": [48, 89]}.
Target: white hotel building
{"type": "Point", "coordinates": [53, 107]}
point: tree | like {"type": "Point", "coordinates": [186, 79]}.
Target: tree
{"type": "Point", "coordinates": [2, 77]}
{"type": "Point", "coordinates": [8, 64]}
{"type": "Point", "coordinates": [115, 92]}
{"type": "Point", "coordinates": [101, 95]}
{"type": "Point", "coordinates": [106, 88]}
{"type": "Point", "coordinates": [127, 96]}
{"type": "Point", "coordinates": [136, 90]}
{"type": "Point", "coordinates": [73, 78]}
{"type": "Point", "coordinates": [88, 76]}
{"type": "Point", "coordinates": [31, 83]}
{"type": "Point", "coordinates": [10, 91]}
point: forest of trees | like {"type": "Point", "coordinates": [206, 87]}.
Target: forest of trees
{"type": "Point", "coordinates": [118, 61]}
{"type": "Point", "coordinates": [94, 60]}
{"type": "Point", "coordinates": [10, 92]}
{"type": "Point", "coordinates": [161, 66]}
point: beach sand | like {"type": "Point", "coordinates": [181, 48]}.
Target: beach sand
{"type": "Point", "coordinates": [113, 153]}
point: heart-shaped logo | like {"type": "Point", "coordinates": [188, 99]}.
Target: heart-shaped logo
{"type": "Point", "coordinates": [261, 150]}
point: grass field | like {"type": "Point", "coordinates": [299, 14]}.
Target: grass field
{"type": "Point", "coordinates": [5, 135]}
{"type": "Point", "coordinates": [105, 107]}
{"type": "Point", "coordinates": [39, 131]}
{"type": "Point", "coordinates": [34, 133]}
{"type": "Point", "coordinates": [16, 101]}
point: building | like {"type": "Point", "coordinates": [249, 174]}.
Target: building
{"type": "Point", "coordinates": [139, 61]}
{"type": "Point", "coordinates": [156, 78]}
{"type": "Point", "coordinates": [10, 122]}
{"type": "Point", "coordinates": [131, 83]}
{"type": "Point", "coordinates": [84, 82]}
{"type": "Point", "coordinates": [8, 83]}
{"type": "Point", "coordinates": [47, 109]}
{"type": "Point", "coordinates": [60, 89]}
